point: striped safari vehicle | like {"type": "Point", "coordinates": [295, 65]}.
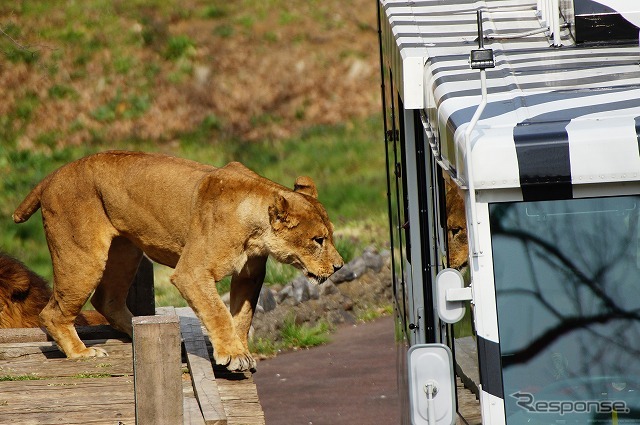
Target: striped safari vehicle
{"type": "Point", "coordinates": [529, 112]}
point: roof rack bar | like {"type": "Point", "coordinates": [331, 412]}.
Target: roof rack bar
{"type": "Point", "coordinates": [479, 59]}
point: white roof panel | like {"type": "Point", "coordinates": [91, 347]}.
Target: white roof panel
{"type": "Point", "coordinates": [553, 114]}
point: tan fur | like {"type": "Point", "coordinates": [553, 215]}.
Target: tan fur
{"type": "Point", "coordinates": [102, 212]}
{"type": "Point", "coordinates": [23, 295]}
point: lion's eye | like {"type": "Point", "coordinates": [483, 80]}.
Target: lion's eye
{"type": "Point", "coordinates": [319, 240]}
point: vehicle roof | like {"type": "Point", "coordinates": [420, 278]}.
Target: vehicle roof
{"type": "Point", "coordinates": [556, 117]}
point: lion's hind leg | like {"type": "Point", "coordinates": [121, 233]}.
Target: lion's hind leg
{"type": "Point", "coordinates": [58, 322]}
{"type": "Point", "coordinates": [110, 297]}
{"type": "Point", "coordinates": [74, 278]}
{"type": "Point", "coordinates": [79, 246]}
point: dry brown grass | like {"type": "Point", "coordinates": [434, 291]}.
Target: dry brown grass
{"type": "Point", "coordinates": [254, 69]}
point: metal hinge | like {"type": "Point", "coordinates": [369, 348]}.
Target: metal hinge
{"type": "Point", "coordinates": [392, 135]}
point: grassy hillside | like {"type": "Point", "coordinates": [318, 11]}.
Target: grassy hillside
{"type": "Point", "coordinates": [96, 71]}
{"type": "Point", "coordinates": [285, 91]}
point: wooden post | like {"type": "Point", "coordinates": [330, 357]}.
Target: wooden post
{"type": "Point", "coordinates": [141, 299]}
{"type": "Point", "coordinates": [157, 369]}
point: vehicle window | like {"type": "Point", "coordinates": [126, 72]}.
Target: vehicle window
{"type": "Point", "coordinates": [567, 284]}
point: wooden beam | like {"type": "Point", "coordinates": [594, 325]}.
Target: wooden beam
{"type": "Point", "coordinates": [38, 335]}
{"type": "Point", "coordinates": [141, 299]}
{"type": "Point", "coordinates": [157, 368]}
{"type": "Point", "coordinates": [202, 377]}
{"type": "Point", "coordinates": [192, 413]}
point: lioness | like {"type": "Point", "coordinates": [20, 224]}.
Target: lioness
{"type": "Point", "coordinates": [101, 212]}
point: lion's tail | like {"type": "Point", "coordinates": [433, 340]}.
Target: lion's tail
{"type": "Point", "coordinates": [31, 203]}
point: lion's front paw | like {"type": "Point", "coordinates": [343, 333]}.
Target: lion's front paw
{"type": "Point", "coordinates": [242, 363]}
{"type": "Point", "coordinates": [88, 352]}
{"type": "Point", "coordinates": [236, 363]}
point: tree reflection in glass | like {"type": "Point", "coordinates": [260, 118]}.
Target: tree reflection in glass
{"type": "Point", "coordinates": [568, 295]}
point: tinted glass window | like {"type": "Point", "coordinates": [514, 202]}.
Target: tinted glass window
{"type": "Point", "coordinates": [568, 295]}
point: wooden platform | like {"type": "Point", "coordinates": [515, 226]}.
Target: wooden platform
{"type": "Point", "coordinates": [468, 380]}
{"type": "Point", "coordinates": [39, 386]}
{"type": "Point", "coordinates": [467, 363]}
{"type": "Point", "coordinates": [468, 406]}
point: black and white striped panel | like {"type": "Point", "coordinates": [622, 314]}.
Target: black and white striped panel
{"type": "Point", "coordinates": [543, 93]}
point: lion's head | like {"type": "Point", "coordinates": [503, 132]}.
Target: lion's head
{"type": "Point", "coordinates": [302, 232]}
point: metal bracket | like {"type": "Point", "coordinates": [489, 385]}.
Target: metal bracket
{"type": "Point", "coordinates": [459, 294]}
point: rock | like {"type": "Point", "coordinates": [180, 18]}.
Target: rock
{"type": "Point", "coordinates": [303, 290]}
{"type": "Point", "coordinates": [286, 293]}
{"type": "Point", "coordinates": [345, 274]}
{"type": "Point", "coordinates": [373, 260]}
{"type": "Point", "coordinates": [327, 288]}
{"type": "Point", "coordinates": [359, 266]}
{"type": "Point", "coordinates": [304, 315]}
{"type": "Point", "coordinates": [300, 289]}
{"type": "Point", "coordinates": [202, 74]}
{"type": "Point", "coordinates": [276, 287]}
{"type": "Point", "coordinates": [252, 332]}
{"type": "Point", "coordinates": [337, 317]}
{"type": "Point", "coordinates": [314, 290]}
{"type": "Point", "coordinates": [267, 300]}
{"type": "Point", "coordinates": [350, 271]}
{"type": "Point", "coordinates": [347, 304]}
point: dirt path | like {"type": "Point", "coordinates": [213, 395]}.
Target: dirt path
{"type": "Point", "coordinates": [352, 380]}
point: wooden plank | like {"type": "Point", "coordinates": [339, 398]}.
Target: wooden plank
{"type": "Point", "coordinates": [38, 335]}
{"type": "Point", "coordinates": [240, 399]}
{"type": "Point", "coordinates": [166, 311]}
{"type": "Point", "coordinates": [467, 363]}
{"type": "Point", "coordinates": [202, 376]}
{"type": "Point", "coordinates": [68, 401]}
{"type": "Point", "coordinates": [114, 365]}
{"type": "Point", "coordinates": [52, 393]}
{"type": "Point", "coordinates": [157, 370]}
{"type": "Point", "coordinates": [468, 406]}
{"type": "Point", "coordinates": [192, 413]}
{"type": "Point", "coordinates": [141, 298]}
{"type": "Point", "coordinates": [234, 386]}
{"type": "Point", "coordinates": [49, 350]}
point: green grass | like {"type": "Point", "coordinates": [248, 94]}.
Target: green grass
{"type": "Point", "coordinates": [179, 46]}
{"type": "Point", "coordinates": [303, 336]}
{"type": "Point", "coordinates": [32, 377]}
{"type": "Point", "coordinates": [214, 11]}
{"type": "Point", "coordinates": [118, 107]}
{"type": "Point", "coordinates": [264, 346]}
{"type": "Point", "coordinates": [374, 313]}
{"type": "Point", "coordinates": [88, 375]}
{"type": "Point", "coordinates": [292, 336]}
{"type": "Point", "coordinates": [278, 273]}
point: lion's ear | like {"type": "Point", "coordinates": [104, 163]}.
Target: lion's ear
{"type": "Point", "coordinates": [279, 214]}
{"type": "Point", "coordinates": [304, 184]}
